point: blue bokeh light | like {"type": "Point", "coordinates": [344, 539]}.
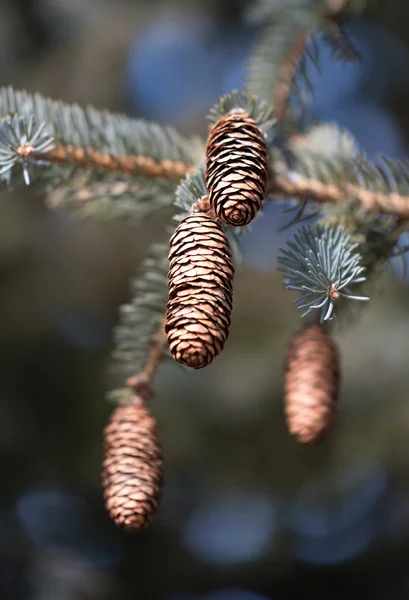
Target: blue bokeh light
{"type": "Point", "coordinates": [333, 521]}
{"type": "Point", "coordinates": [56, 519]}
{"type": "Point", "coordinates": [231, 530]}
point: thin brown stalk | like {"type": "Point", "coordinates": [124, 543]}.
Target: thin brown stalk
{"type": "Point", "coordinates": [132, 165]}
{"type": "Point", "coordinates": [288, 72]}
{"type": "Point", "coordinates": [141, 384]}
{"type": "Point", "coordinates": [290, 66]}
{"type": "Point", "coordinates": [391, 204]}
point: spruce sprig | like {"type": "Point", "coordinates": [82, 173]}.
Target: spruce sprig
{"type": "Point", "coordinates": [321, 264]}
{"type": "Point", "coordinates": [20, 139]}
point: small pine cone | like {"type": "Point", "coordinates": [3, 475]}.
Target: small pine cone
{"type": "Point", "coordinates": [311, 384]}
{"type": "Point", "coordinates": [236, 168]}
{"type": "Point", "coordinates": [200, 291]}
{"type": "Point", "coordinates": [132, 473]}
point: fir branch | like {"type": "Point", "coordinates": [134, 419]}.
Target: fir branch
{"type": "Point", "coordinates": [287, 75]}
{"type": "Point", "coordinates": [84, 158]}
{"type": "Point", "coordinates": [321, 263]}
{"type": "Point", "coordinates": [276, 68]}
{"type": "Point", "coordinates": [382, 187]}
{"type": "Point", "coordinates": [112, 197]}
{"type": "Point", "coordinates": [142, 318]}
{"type": "Point", "coordinates": [326, 138]}
{"type": "Point", "coordinates": [19, 140]}
{"type": "Point", "coordinates": [102, 140]}
{"type": "Point", "coordinates": [141, 384]}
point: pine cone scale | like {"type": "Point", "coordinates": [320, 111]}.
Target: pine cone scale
{"type": "Point", "coordinates": [199, 311]}
{"type": "Point", "coordinates": [205, 329]}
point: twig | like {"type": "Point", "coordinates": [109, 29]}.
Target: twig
{"type": "Point", "coordinates": [141, 384]}
{"type": "Point", "coordinates": [288, 72]}
{"type": "Point", "coordinates": [289, 69]}
{"type": "Point", "coordinates": [391, 204]}
{"type": "Point", "coordinates": [133, 165]}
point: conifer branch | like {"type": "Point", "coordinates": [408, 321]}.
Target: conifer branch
{"type": "Point", "coordinates": [88, 138]}
{"type": "Point", "coordinates": [140, 320]}
{"type": "Point", "coordinates": [287, 75]}
{"type": "Point", "coordinates": [278, 67]}
{"type": "Point", "coordinates": [338, 177]}
{"type": "Point", "coordinates": [321, 264]}
{"type": "Point", "coordinates": [85, 158]}
{"type": "Point", "coordinates": [302, 187]}
{"type": "Point", "coordinates": [275, 71]}
{"type": "Point", "coordinates": [141, 384]}
{"type": "Point", "coordinates": [181, 299]}
{"type": "Point", "coordinates": [110, 197]}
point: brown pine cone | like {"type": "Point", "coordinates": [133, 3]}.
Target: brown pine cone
{"type": "Point", "coordinates": [311, 388]}
{"type": "Point", "coordinates": [200, 291]}
{"type": "Point", "coordinates": [132, 473]}
{"type": "Point", "coordinates": [236, 168]}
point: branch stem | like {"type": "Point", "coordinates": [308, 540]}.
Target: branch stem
{"type": "Point", "coordinates": [132, 165]}
{"type": "Point", "coordinates": [141, 384]}
{"type": "Point", "coordinates": [391, 204]}
{"type": "Point", "coordinates": [288, 72]}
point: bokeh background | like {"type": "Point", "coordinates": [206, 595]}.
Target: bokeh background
{"type": "Point", "coordinates": [247, 514]}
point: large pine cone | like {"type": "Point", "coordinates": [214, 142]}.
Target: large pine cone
{"type": "Point", "coordinates": [236, 168]}
{"type": "Point", "coordinates": [132, 473]}
{"type": "Point", "coordinates": [312, 377]}
{"type": "Point", "coordinates": [200, 291]}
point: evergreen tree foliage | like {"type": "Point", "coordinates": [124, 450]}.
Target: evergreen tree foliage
{"type": "Point", "coordinates": [105, 165]}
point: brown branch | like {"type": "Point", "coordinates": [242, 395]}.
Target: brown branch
{"type": "Point", "coordinates": [288, 72]}
{"type": "Point", "coordinates": [133, 165]}
{"type": "Point", "coordinates": [290, 66]}
{"type": "Point", "coordinates": [391, 204]}
{"type": "Point", "coordinates": [141, 384]}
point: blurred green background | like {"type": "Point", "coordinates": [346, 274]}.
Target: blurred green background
{"type": "Point", "coordinates": [247, 513]}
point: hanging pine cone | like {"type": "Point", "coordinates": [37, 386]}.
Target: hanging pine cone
{"type": "Point", "coordinates": [132, 470]}
{"type": "Point", "coordinates": [236, 168]}
{"type": "Point", "coordinates": [311, 384]}
{"type": "Point", "coordinates": [200, 291]}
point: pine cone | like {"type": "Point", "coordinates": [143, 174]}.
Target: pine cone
{"type": "Point", "coordinates": [236, 168]}
{"type": "Point", "coordinates": [311, 384]}
{"type": "Point", "coordinates": [132, 470]}
{"type": "Point", "coordinates": [200, 291]}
